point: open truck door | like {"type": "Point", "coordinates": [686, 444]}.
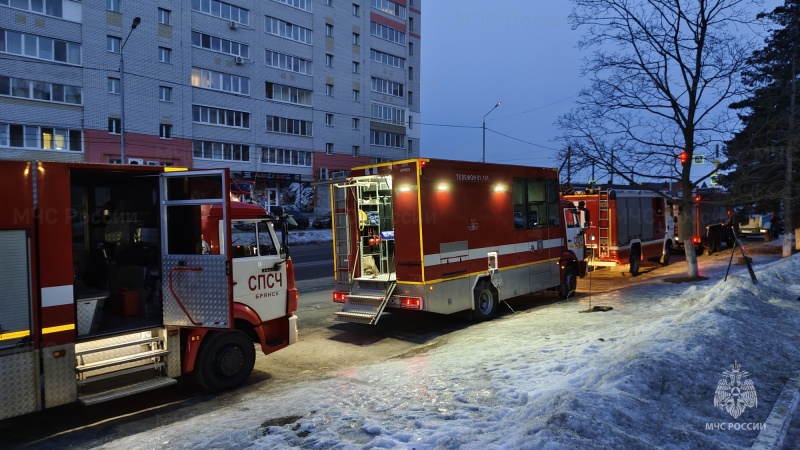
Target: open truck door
{"type": "Point", "coordinates": [196, 278]}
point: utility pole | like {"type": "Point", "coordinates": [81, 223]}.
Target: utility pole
{"type": "Point", "coordinates": [134, 24]}
{"type": "Point", "coordinates": [483, 158]}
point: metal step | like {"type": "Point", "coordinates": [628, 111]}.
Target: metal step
{"type": "Point", "coordinates": [366, 302]}
{"type": "Point", "coordinates": [355, 316]}
{"type": "Point", "coordinates": [123, 391]}
{"type": "Point", "coordinates": [121, 360]}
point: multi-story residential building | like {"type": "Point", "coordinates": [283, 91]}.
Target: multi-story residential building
{"type": "Point", "coordinates": [283, 92]}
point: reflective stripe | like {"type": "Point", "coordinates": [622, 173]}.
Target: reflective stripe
{"type": "Point", "coordinates": [67, 327]}
{"type": "Point", "coordinates": [435, 259]}
{"type": "Point", "coordinates": [15, 335]}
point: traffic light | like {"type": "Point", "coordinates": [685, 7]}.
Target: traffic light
{"type": "Point", "coordinates": [684, 157]}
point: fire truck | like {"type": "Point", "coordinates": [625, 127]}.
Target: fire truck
{"type": "Point", "coordinates": [626, 226]}
{"type": "Point", "coordinates": [712, 220]}
{"type": "Point", "coordinates": [450, 236]}
{"type": "Point", "coordinates": [119, 279]}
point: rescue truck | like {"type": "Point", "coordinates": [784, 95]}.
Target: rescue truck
{"type": "Point", "coordinates": [450, 236]}
{"type": "Point", "coordinates": [626, 226]}
{"type": "Point", "coordinates": [712, 220]}
{"type": "Point", "coordinates": [119, 279]}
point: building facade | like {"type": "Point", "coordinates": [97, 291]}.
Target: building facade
{"type": "Point", "coordinates": [282, 92]}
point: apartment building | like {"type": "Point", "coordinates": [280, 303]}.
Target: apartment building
{"type": "Point", "coordinates": [282, 92]}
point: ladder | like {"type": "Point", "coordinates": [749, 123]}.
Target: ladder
{"type": "Point", "coordinates": [367, 300]}
{"type": "Point", "coordinates": [603, 223]}
{"type": "Point", "coordinates": [341, 234]}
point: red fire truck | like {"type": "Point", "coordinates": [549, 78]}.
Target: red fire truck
{"type": "Point", "coordinates": [712, 220]}
{"type": "Point", "coordinates": [118, 279]}
{"type": "Point", "coordinates": [626, 226]}
{"type": "Point", "coordinates": [450, 236]}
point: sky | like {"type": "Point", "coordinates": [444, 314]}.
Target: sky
{"type": "Point", "coordinates": [642, 375]}
{"type": "Point", "coordinates": [522, 53]}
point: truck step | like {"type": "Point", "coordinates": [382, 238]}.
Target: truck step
{"type": "Point", "coordinates": [120, 360]}
{"type": "Point", "coordinates": [123, 391]}
{"type": "Point", "coordinates": [355, 316]}
{"type": "Point", "coordinates": [156, 366]}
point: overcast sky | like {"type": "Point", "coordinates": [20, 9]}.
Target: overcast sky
{"type": "Point", "coordinates": [522, 53]}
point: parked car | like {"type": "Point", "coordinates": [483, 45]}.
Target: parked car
{"type": "Point", "coordinates": [299, 216]}
{"type": "Point", "coordinates": [323, 221]}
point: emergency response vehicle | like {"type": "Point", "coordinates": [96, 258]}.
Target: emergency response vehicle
{"type": "Point", "coordinates": [450, 236]}
{"type": "Point", "coordinates": [118, 279]}
{"type": "Point", "coordinates": [712, 220]}
{"type": "Point", "coordinates": [626, 226]}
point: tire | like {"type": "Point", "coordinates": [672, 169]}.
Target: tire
{"type": "Point", "coordinates": [570, 284]}
{"type": "Point", "coordinates": [485, 298]}
{"type": "Point", "coordinates": [635, 260]}
{"type": "Point", "coordinates": [667, 251]}
{"type": "Point", "coordinates": [224, 361]}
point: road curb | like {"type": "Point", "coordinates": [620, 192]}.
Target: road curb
{"type": "Point", "coordinates": [777, 424]}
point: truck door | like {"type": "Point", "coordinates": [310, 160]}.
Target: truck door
{"type": "Point", "coordinates": [575, 232]}
{"type": "Point", "coordinates": [196, 277]}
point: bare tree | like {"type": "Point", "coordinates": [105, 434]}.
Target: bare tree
{"type": "Point", "coordinates": [662, 74]}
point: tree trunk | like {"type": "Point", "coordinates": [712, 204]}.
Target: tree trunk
{"type": "Point", "coordinates": [686, 233]}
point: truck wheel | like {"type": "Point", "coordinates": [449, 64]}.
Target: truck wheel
{"type": "Point", "coordinates": [224, 361]}
{"type": "Point", "coordinates": [570, 284]}
{"type": "Point", "coordinates": [485, 302]}
{"type": "Point", "coordinates": [634, 261]}
{"type": "Point", "coordinates": [667, 251]}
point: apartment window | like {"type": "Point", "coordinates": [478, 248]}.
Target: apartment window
{"type": "Point", "coordinates": [113, 44]}
{"type": "Point", "coordinates": [410, 121]}
{"type": "Point", "coordinates": [410, 98]}
{"type": "Point", "coordinates": [165, 93]}
{"type": "Point", "coordinates": [33, 46]}
{"type": "Point", "coordinates": [389, 60]}
{"type": "Point", "coordinates": [111, 5]}
{"type": "Point", "coordinates": [328, 29]}
{"type": "Point", "coordinates": [356, 39]}
{"type": "Point", "coordinates": [288, 62]}
{"type": "Point", "coordinates": [165, 131]}
{"type": "Point", "coordinates": [220, 150]}
{"type": "Point", "coordinates": [329, 119]}
{"type": "Point", "coordinates": [356, 10]}
{"type": "Point", "coordinates": [288, 30]}
{"type": "Point", "coordinates": [329, 148]}
{"type": "Point", "coordinates": [387, 87]}
{"type": "Point", "coordinates": [410, 49]}
{"type": "Point", "coordinates": [113, 85]}
{"type": "Point", "coordinates": [356, 150]}
{"type": "Point", "coordinates": [410, 73]}
{"type": "Point", "coordinates": [223, 10]}
{"type": "Point", "coordinates": [220, 45]}
{"type": "Point", "coordinates": [409, 149]}
{"type": "Point", "coordinates": [52, 8]}
{"type": "Point", "coordinates": [219, 116]}
{"type": "Point", "coordinates": [164, 55]}
{"type": "Point", "coordinates": [356, 95]}
{"type": "Point", "coordinates": [329, 90]}
{"type": "Point", "coordinates": [386, 139]}
{"type": "Point", "coordinates": [114, 125]}
{"type": "Point", "coordinates": [410, 24]}
{"type": "Point", "coordinates": [329, 60]}
{"type": "Point", "coordinates": [220, 81]}
{"type": "Point", "coordinates": [164, 16]}
{"type": "Point", "coordinates": [356, 67]}
{"type": "Point", "coordinates": [356, 123]}
{"type": "Point", "coordinates": [289, 94]}
{"type": "Point", "coordinates": [284, 125]}
{"type": "Point", "coordinates": [388, 114]}
{"type": "Point", "coordinates": [328, 2]}
{"type": "Point", "coordinates": [390, 34]}
{"type": "Point", "coordinates": [389, 7]}
{"type": "Point", "coordinates": [41, 91]}
{"type": "Point", "coordinates": [45, 138]}
{"type": "Point", "coordinates": [272, 155]}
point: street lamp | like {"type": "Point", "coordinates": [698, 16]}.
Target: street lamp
{"type": "Point", "coordinates": [134, 24]}
{"type": "Point", "coordinates": [483, 158]}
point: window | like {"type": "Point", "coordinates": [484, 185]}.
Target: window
{"type": "Point", "coordinates": [356, 123]}
{"type": "Point", "coordinates": [219, 116]}
{"type": "Point", "coordinates": [164, 16]}
{"type": "Point", "coordinates": [356, 150]}
{"type": "Point", "coordinates": [289, 94]}
{"type": "Point", "coordinates": [389, 7]}
{"type": "Point", "coordinates": [410, 121]}
{"type": "Point", "coordinates": [32, 46]}
{"type": "Point", "coordinates": [285, 156]}
{"type": "Point", "coordinates": [114, 125]}
{"type": "Point", "coordinates": [288, 30]}
{"type": "Point", "coordinates": [329, 60]}
{"type": "Point", "coordinates": [356, 95]}
{"type": "Point", "coordinates": [283, 125]}
{"type": "Point", "coordinates": [220, 81]}
{"type": "Point", "coordinates": [223, 10]}
{"type": "Point", "coordinates": [216, 44]}
{"type": "Point", "coordinates": [356, 10]}
{"type": "Point", "coordinates": [388, 114]}
{"type": "Point", "coordinates": [164, 55]}
{"type": "Point", "coordinates": [328, 29]}
{"type": "Point", "coordinates": [111, 5]}
{"type": "Point", "coordinates": [410, 73]}
{"type": "Point", "coordinates": [390, 34]}
{"type": "Point", "coordinates": [386, 139]}
{"type": "Point", "coordinates": [113, 85]}
{"type": "Point", "coordinates": [41, 91]}
{"type": "Point", "coordinates": [410, 24]}
{"type": "Point", "coordinates": [329, 148]}
{"type": "Point", "coordinates": [329, 90]}
{"type": "Point", "coordinates": [304, 5]}
{"type": "Point", "coordinates": [389, 60]}
{"type": "Point", "coordinates": [44, 138]}
{"type": "Point", "coordinates": [165, 93]}
{"type": "Point", "coordinates": [165, 131]}
{"type": "Point", "coordinates": [328, 2]}
{"type": "Point", "coordinates": [535, 203]}
{"type": "Point", "coordinates": [113, 44]}
{"type": "Point", "coordinates": [53, 8]}
{"type": "Point", "coordinates": [288, 62]}
{"type": "Point", "coordinates": [410, 98]}
{"type": "Point", "coordinates": [356, 67]}
{"type": "Point", "coordinates": [329, 119]}
{"type": "Point", "coordinates": [356, 39]}
{"type": "Point", "coordinates": [387, 87]}
{"type": "Point", "coordinates": [410, 48]}
{"type": "Point", "coordinates": [220, 150]}
{"type": "Point", "coordinates": [409, 148]}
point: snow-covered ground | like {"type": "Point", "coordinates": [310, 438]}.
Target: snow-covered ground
{"type": "Point", "coordinates": [672, 365]}
{"type": "Point", "coordinates": [309, 236]}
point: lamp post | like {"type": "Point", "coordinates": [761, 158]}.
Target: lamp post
{"type": "Point", "coordinates": [483, 158]}
{"type": "Point", "coordinates": [134, 24]}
